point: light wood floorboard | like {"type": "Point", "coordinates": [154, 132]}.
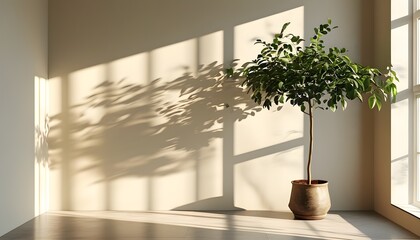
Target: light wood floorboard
{"type": "Point", "coordinates": [191, 225]}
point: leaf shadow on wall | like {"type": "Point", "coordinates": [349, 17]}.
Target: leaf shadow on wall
{"type": "Point", "coordinates": [155, 130]}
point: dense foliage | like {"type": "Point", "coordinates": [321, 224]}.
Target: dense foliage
{"type": "Point", "coordinates": [312, 77]}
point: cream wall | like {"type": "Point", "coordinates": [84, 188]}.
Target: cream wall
{"type": "Point", "coordinates": [23, 56]}
{"type": "Point", "coordinates": [140, 119]}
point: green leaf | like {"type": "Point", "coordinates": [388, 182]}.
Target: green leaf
{"type": "Point", "coordinates": [372, 101]}
{"type": "Point", "coordinates": [276, 99]}
{"type": "Point", "coordinates": [394, 92]}
{"type": "Point", "coordinates": [285, 71]}
{"type": "Point", "coordinates": [302, 108]}
{"type": "Point", "coordinates": [267, 104]}
{"type": "Point", "coordinates": [393, 73]}
{"type": "Point", "coordinates": [229, 72]}
{"type": "Point", "coordinates": [284, 27]}
{"type": "Point", "coordinates": [295, 38]}
{"type": "Point", "coordinates": [344, 103]}
{"type": "Point", "coordinates": [379, 104]}
{"type": "Point", "coordinates": [354, 67]}
{"type": "Point", "coordinates": [359, 96]}
{"type": "Point", "coordinates": [281, 99]}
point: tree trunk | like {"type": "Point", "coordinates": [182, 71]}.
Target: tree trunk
{"type": "Point", "coordinates": [311, 142]}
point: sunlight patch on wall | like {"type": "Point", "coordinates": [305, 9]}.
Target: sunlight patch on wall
{"type": "Point", "coordinates": [133, 69]}
{"type": "Point", "coordinates": [188, 120]}
{"type": "Point", "coordinates": [41, 146]}
{"type": "Point", "coordinates": [400, 9]}
{"type": "Point", "coordinates": [267, 128]}
{"type": "Point", "coordinates": [264, 29]}
{"type": "Point", "coordinates": [271, 142]}
{"type": "Point", "coordinates": [210, 48]}
{"type": "Point", "coordinates": [161, 130]}
{"type": "Point", "coordinates": [255, 180]}
{"type": "Point", "coordinates": [173, 61]}
{"type": "Point", "coordinates": [82, 82]}
{"type": "Point", "coordinates": [55, 111]}
{"type": "Point", "coordinates": [137, 128]}
{"type": "Point", "coordinates": [132, 192]}
{"type": "Point", "coordinates": [86, 120]}
{"type": "Point", "coordinates": [178, 186]}
{"type": "Point", "coordinates": [54, 89]}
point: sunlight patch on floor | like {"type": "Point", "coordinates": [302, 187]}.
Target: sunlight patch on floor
{"type": "Point", "coordinates": [271, 223]}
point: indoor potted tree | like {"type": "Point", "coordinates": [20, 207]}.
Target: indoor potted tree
{"type": "Point", "coordinates": [311, 77]}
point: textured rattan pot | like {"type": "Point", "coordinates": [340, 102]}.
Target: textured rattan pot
{"type": "Point", "coordinates": [310, 202]}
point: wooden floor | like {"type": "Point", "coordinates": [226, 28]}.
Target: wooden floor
{"type": "Point", "coordinates": [185, 225]}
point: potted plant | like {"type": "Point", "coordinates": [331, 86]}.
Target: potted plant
{"type": "Point", "coordinates": [311, 77]}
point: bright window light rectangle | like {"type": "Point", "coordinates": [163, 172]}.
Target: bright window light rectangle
{"type": "Point", "coordinates": [417, 164]}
